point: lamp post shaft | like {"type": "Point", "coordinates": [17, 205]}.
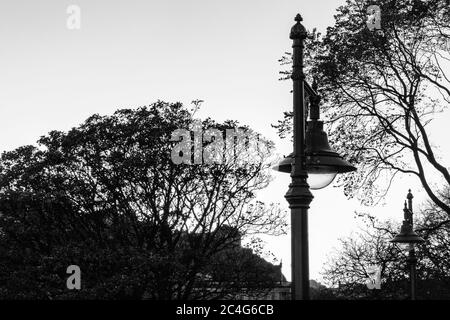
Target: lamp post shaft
{"type": "Point", "coordinates": [412, 272]}
{"type": "Point", "coordinates": [412, 253]}
{"type": "Point", "coordinates": [298, 195]}
{"type": "Point", "coordinates": [300, 254]}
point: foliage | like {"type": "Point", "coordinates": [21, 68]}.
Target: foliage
{"type": "Point", "coordinates": [381, 89]}
{"type": "Point", "coordinates": [106, 196]}
{"type": "Point", "coordinates": [348, 269]}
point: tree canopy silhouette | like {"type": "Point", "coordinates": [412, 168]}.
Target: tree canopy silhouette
{"type": "Point", "coordinates": [106, 196]}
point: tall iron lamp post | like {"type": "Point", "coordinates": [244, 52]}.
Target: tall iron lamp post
{"type": "Point", "coordinates": [312, 157]}
{"type": "Point", "coordinates": [409, 238]}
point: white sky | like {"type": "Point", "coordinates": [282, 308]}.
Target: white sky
{"type": "Point", "coordinates": [131, 53]}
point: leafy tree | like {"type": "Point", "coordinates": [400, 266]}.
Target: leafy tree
{"type": "Point", "coordinates": [107, 196]}
{"type": "Point", "coordinates": [349, 267]}
{"type": "Point", "coordinates": [381, 89]}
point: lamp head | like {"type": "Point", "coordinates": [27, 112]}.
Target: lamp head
{"type": "Point", "coordinates": [322, 162]}
{"type": "Point", "coordinates": [407, 235]}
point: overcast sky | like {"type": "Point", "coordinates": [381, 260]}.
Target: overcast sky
{"type": "Point", "coordinates": [131, 53]}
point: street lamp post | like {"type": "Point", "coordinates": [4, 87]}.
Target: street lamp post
{"type": "Point", "coordinates": [298, 195]}
{"type": "Point", "coordinates": [408, 237]}
{"type": "Point", "coordinates": [312, 155]}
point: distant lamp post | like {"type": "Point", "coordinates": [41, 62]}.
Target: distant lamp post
{"type": "Point", "coordinates": [312, 157]}
{"type": "Point", "coordinates": [408, 238]}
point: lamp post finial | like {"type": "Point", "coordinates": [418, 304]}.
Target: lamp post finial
{"type": "Point", "coordinates": [409, 196]}
{"type": "Point", "coordinates": [298, 31]}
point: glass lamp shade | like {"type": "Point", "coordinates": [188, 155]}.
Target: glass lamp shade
{"type": "Point", "coordinates": [406, 247]}
{"type": "Point", "coordinates": [319, 178]}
